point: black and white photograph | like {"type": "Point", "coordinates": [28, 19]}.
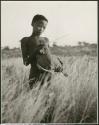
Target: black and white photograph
{"type": "Point", "coordinates": [49, 62]}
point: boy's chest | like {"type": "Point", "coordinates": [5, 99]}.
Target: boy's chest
{"type": "Point", "coordinates": [35, 42]}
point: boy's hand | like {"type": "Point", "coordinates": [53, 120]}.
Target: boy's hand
{"type": "Point", "coordinates": [35, 52]}
{"type": "Point", "coordinates": [59, 69]}
{"type": "Point", "coordinates": [26, 62]}
{"type": "Point", "coordinates": [42, 51]}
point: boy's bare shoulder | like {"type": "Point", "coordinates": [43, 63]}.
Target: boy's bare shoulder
{"type": "Point", "coordinates": [24, 39]}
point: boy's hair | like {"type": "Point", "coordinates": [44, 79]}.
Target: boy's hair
{"type": "Point", "coordinates": [38, 17]}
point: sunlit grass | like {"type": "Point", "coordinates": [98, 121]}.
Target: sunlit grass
{"type": "Point", "coordinates": [71, 99]}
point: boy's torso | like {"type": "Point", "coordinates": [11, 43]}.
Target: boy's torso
{"type": "Point", "coordinates": [34, 42]}
{"type": "Point", "coordinates": [31, 43]}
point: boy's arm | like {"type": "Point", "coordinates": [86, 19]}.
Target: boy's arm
{"type": "Point", "coordinates": [58, 64]}
{"type": "Point", "coordinates": [24, 50]}
{"type": "Point", "coordinates": [59, 68]}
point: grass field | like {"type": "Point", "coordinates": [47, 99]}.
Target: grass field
{"type": "Point", "coordinates": [71, 99]}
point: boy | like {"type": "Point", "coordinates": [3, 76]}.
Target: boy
{"type": "Point", "coordinates": [35, 49]}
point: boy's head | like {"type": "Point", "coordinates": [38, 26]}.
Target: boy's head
{"type": "Point", "coordinates": [39, 24]}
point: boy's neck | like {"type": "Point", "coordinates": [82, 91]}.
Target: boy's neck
{"type": "Point", "coordinates": [35, 35]}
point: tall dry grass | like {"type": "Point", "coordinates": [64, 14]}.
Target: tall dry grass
{"type": "Point", "coordinates": [71, 99]}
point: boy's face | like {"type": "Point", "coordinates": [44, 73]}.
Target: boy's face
{"type": "Point", "coordinates": [39, 27]}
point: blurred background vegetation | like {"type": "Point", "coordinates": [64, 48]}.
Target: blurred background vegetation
{"type": "Point", "coordinates": [81, 49]}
